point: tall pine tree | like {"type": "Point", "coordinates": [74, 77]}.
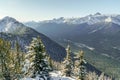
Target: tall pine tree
{"type": "Point", "coordinates": [18, 59]}
{"type": "Point", "coordinates": [11, 61]}
{"type": "Point", "coordinates": [5, 59]}
{"type": "Point", "coordinates": [80, 70]}
{"type": "Point", "coordinates": [67, 63]}
{"type": "Point", "coordinates": [37, 57]}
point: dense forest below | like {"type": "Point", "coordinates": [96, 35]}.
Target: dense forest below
{"type": "Point", "coordinates": [36, 64]}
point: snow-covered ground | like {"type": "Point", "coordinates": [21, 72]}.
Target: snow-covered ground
{"type": "Point", "coordinates": [55, 75]}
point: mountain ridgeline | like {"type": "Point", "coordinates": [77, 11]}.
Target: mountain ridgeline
{"type": "Point", "coordinates": [12, 30]}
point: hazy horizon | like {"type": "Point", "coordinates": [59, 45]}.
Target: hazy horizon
{"type": "Point", "coordinates": [38, 10]}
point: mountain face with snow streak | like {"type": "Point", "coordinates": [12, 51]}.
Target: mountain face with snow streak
{"type": "Point", "coordinates": [8, 25]}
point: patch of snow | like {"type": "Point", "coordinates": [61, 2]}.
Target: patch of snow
{"type": "Point", "coordinates": [26, 65]}
{"type": "Point", "coordinates": [83, 45]}
{"type": "Point", "coordinates": [55, 75]}
{"type": "Point", "coordinates": [118, 48]}
{"type": "Point", "coordinates": [8, 26]}
{"type": "Point", "coordinates": [93, 31]}
{"type": "Point", "coordinates": [105, 55]}
{"type": "Point", "coordinates": [109, 19]}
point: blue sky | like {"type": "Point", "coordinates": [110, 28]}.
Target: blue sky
{"type": "Point", "coordinates": [26, 10]}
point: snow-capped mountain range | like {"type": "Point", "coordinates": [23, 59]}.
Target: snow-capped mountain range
{"type": "Point", "coordinates": [89, 19]}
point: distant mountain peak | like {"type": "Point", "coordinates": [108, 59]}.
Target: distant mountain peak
{"type": "Point", "coordinates": [7, 18]}
{"type": "Point", "coordinates": [97, 13]}
{"type": "Point", "coordinates": [9, 24]}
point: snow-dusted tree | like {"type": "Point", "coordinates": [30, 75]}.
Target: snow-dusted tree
{"type": "Point", "coordinates": [79, 70]}
{"type": "Point", "coordinates": [37, 58]}
{"type": "Point", "coordinates": [67, 63]}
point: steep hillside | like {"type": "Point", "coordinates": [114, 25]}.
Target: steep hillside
{"type": "Point", "coordinates": [13, 31]}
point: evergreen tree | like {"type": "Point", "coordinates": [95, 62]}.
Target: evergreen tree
{"type": "Point", "coordinates": [18, 59]}
{"type": "Point", "coordinates": [37, 57]}
{"type": "Point", "coordinates": [67, 63]}
{"type": "Point", "coordinates": [5, 58]}
{"type": "Point", "coordinates": [10, 61]}
{"type": "Point", "coordinates": [79, 69]}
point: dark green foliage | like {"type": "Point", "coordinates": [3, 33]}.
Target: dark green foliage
{"type": "Point", "coordinates": [11, 61]}
{"type": "Point", "coordinates": [18, 61]}
{"type": "Point", "coordinates": [4, 59]}
{"type": "Point", "coordinates": [39, 65]}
